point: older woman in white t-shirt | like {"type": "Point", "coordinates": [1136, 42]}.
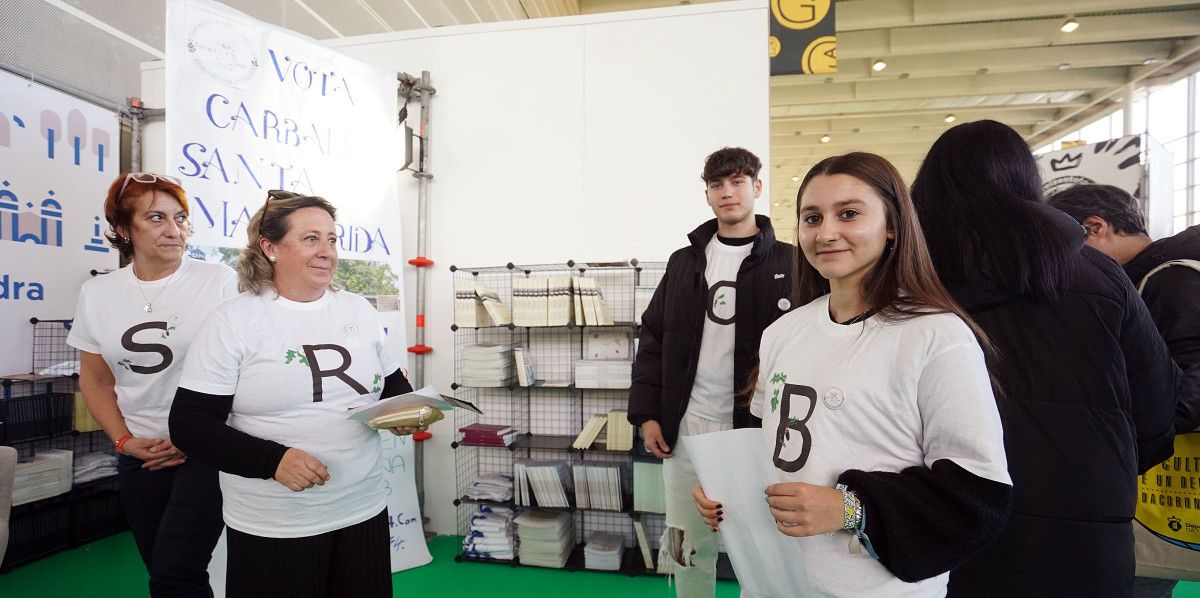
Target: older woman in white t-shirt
{"type": "Point", "coordinates": [133, 328]}
{"type": "Point", "coordinates": [264, 396]}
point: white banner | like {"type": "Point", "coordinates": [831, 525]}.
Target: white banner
{"type": "Point", "coordinates": [1116, 162]}
{"type": "Point", "coordinates": [58, 156]}
{"type": "Point", "coordinates": [253, 107]}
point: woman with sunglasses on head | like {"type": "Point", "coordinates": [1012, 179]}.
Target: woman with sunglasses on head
{"type": "Point", "coordinates": [133, 328]}
{"type": "Point", "coordinates": [1089, 385]}
{"type": "Point", "coordinates": [264, 397]}
{"type": "Point", "coordinates": [875, 400]}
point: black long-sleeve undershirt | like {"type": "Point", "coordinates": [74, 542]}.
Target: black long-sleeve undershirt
{"type": "Point", "coordinates": [198, 428]}
{"type": "Point", "coordinates": [924, 521]}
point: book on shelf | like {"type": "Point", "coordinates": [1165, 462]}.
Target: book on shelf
{"type": "Point", "coordinates": [547, 483]}
{"type": "Point", "coordinates": [590, 431]}
{"type": "Point", "coordinates": [558, 304]}
{"type": "Point", "coordinates": [620, 431]}
{"type": "Point", "coordinates": [607, 344]}
{"type": "Point", "coordinates": [524, 367]}
{"type": "Point", "coordinates": [469, 311]}
{"type": "Point", "coordinates": [488, 434]}
{"type": "Point", "coordinates": [545, 539]}
{"type": "Point", "coordinates": [496, 309]}
{"type": "Point", "coordinates": [639, 530]}
{"type": "Point", "coordinates": [600, 485]}
{"type": "Point", "coordinates": [603, 551]}
{"type": "Point", "coordinates": [603, 373]}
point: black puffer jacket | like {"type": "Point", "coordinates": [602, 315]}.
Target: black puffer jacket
{"type": "Point", "coordinates": [1087, 405]}
{"type": "Point", "coordinates": [1173, 297]}
{"type": "Point", "coordinates": [669, 343]}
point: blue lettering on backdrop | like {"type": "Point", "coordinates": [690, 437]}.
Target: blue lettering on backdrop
{"type": "Point", "coordinates": [305, 77]}
{"type": "Point", "coordinates": [16, 290]}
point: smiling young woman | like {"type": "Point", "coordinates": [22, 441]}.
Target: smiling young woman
{"type": "Point", "coordinates": [875, 400]}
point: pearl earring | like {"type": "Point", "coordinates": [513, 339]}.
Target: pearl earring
{"type": "Point", "coordinates": [272, 258]}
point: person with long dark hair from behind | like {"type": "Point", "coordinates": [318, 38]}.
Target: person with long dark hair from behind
{"type": "Point", "coordinates": [875, 400]}
{"type": "Point", "coordinates": [1087, 385]}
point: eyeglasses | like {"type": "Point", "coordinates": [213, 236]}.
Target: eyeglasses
{"type": "Point", "coordinates": [147, 178]}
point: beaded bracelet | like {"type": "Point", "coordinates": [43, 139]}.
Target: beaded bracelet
{"type": "Point", "coordinates": [852, 508]}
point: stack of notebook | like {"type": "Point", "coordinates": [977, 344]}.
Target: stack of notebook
{"type": "Point", "coordinates": [603, 552]}
{"type": "Point", "coordinates": [49, 473]}
{"type": "Point", "coordinates": [598, 485]}
{"type": "Point", "coordinates": [546, 539]}
{"type": "Point", "coordinates": [479, 434]}
{"type": "Point", "coordinates": [559, 305]}
{"type": "Point", "coordinates": [530, 296]}
{"type": "Point", "coordinates": [590, 307]}
{"type": "Point", "coordinates": [542, 483]}
{"type": "Point", "coordinates": [487, 365]}
{"type": "Point", "coordinates": [603, 373]}
{"type": "Point", "coordinates": [492, 486]}
{"type": "Point", "coordinates": [490, 535]}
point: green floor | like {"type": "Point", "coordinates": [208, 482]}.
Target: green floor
{"type": "Point", "coordinates": [111, 568]}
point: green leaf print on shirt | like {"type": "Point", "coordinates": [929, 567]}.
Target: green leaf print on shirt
{"type": "Point", "coordinates": [776, 378]}
{"type": "Point", "coordinates": [294, 355]}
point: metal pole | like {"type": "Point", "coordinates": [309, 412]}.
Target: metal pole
{"type": "Point", "coordinates": [424, 176]}
{"type": "Point", "coordinates": [135, 144]}
{"type": "Point", "coordinates": [89, 97]}
{"type": "Point", "coordinates": [1127, 110]}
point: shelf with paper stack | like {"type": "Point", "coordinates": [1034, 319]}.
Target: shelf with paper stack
{"type": "Point", "coordinates": [64, 490]}
{"type": "Point", "coordinates": [550, 404]}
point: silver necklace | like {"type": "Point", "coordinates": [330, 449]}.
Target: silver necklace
{"type": "Point", "coordinates": [149, 307]}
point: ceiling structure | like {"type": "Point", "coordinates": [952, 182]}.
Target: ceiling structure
{"type": "Point", "coordinates": [952, 61]}
{"type": "Point", "coordinates": [969, 59]}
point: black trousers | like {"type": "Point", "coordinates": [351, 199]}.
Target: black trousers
{"type": "Point", "coordinates": [352, 561]}
{"type": "Point", "coordinates": [175, 517]}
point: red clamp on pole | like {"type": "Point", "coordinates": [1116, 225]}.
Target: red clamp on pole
{"type": "Point", "coordinates": [421, 262]}
{"type": "Point", "coordinates": [422, 436]}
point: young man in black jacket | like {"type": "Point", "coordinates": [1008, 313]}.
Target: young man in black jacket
{"type": "Point", "coordinates": [1167, 274]}
{"type": "Point", "coordinates": [699, 344]}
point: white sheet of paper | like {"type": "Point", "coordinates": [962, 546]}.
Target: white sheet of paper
{"type": "Point", "coordinates": [735, 469]}
{"type": "Point", "coordinates": [405, 531]}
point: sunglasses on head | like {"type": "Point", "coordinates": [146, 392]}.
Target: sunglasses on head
{"type": "Point", "coordinates": [147, 178]}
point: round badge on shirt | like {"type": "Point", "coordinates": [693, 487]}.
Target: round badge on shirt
{"type": "Point", "coordinates": [834, 397]}
{"type": "Point", "coordinates": [351, 330]}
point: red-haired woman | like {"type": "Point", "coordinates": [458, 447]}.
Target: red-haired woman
{"type": "Point", "coordinates": [132, 328]}
{"type": "Point", "coordinates": [875, 400]}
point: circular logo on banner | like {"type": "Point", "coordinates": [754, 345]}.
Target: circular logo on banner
{"type": "Point", "coordinates": [799, 14]}
{"type": "Point", "coordinates": [222, 51]}
{"type": "Point", "coordinates": [773, 46]}
{"type": "Point", "coordinates": [1169, 495]}
{"type": "Point", "coordinates": [820, 56]}
{"type": "Point", "coordinates": [834, 397]}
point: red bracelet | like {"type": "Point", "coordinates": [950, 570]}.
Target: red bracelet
{"type": "Point", "coordinates": [120, 443]}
